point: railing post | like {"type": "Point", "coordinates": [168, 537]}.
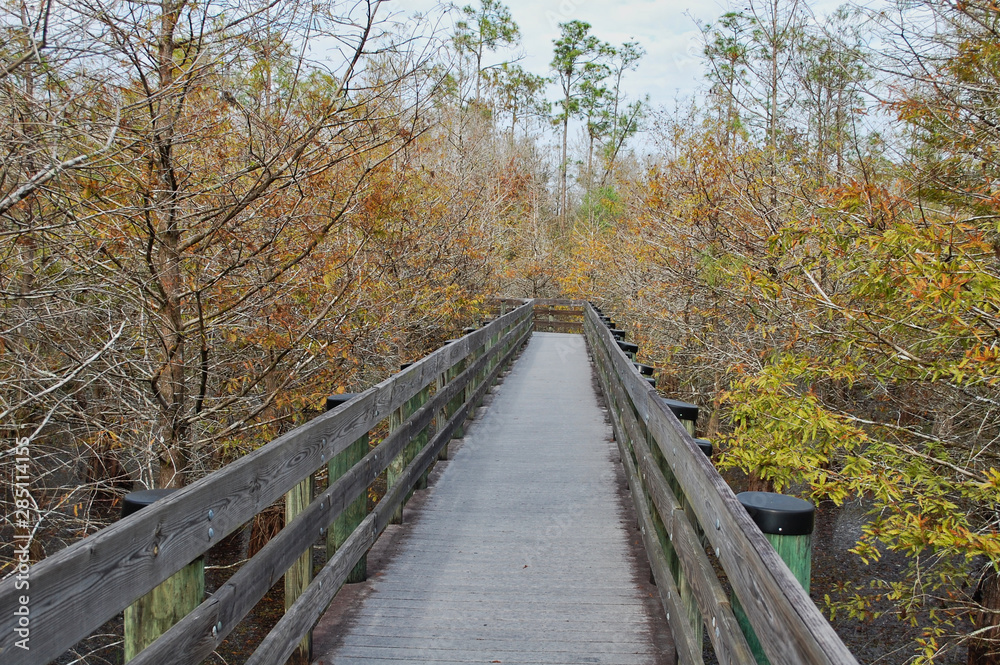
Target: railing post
{"type": "Point", "coordinates": [299, 575]}
{"type": "Point", "coordinates": [688, 415]}
{"type": "Point", "coordinates": [686, 412]}
{"type": "Point", "coordinates": [154, 613]}
{"type": "Point", "coordinates": [787, 523]}
{"type": "Point", "coordinates": [630, 349]}
{"type": "Point", "coordinates": [405, 456]}
{"type": "Point", "coordinates": [355, 513]}
{"type": "Point", "coordinates": [395, 468]}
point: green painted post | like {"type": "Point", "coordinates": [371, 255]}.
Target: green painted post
{"type": "Point", "coordinates": [396, 466]}
{"type": "Point", "coordinates": [630, 349]}
{"type": "Point", "coordinates": [787, 523]}
{"type": "Point", "coordinates": [299, 575]}
{"type": "Point", "coordinates": [452, 407]}
{"type": "Point", "coordinates": [419, 441]}
{"type": "Point", "coordinates": [688, 415]}
{"type": "Point", "coordinates": [153, 614]}
{"type": "Point", "coordinates": [355, 513]}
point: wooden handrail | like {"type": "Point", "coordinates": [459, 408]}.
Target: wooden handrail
{"type": "Point", "coordinates": [75, 591]}
{"type": "Point", "coordinates": [560, 316]}
{"type": "Point", "coordinates": [682, 501]}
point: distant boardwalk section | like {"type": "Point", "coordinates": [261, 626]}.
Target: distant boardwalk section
{"type": "Point", "coordinates": [521, 552]}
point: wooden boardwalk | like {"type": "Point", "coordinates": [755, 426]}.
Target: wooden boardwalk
{"type": "Point", "coordinates": [524, 550]}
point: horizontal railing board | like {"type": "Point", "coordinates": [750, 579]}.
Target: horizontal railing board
{"type": "Point", "coordinates": [558, 302]}
{"type": "Point", "coordinates": [787, 623]}
{"type": "Point", "coordinates": [541, 320]}
{"type": "Point", "coordinates": [569, 312]}
{"type": "Point", "coordinates": [555, 326]}
{"type": "Point", "coordinates": [278, 645]}
{"type": "Point", "coordinates": [713, 603]}
{"type": "Point", "coordinates": [77, 589]}
{"type": "Point", "coordinates": [684, 641]}
{"type": "Point", "coordinates": [192, 639]}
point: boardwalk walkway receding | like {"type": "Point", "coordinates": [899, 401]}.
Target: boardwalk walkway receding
{"type": "Point", "coordinates": [521, 552]}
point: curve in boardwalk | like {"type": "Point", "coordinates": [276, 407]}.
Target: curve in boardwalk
{"type": "Point", "coordinates": [521, 552]}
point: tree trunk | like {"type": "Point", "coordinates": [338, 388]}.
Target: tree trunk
{"type": "Point", "coordinates": [984, 648]}
{"type": "Point", "coordinates": [563, 195]}
{"type": "Point", "coordinates": [169, 384]}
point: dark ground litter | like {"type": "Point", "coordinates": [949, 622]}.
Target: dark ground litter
{"type": "Point", "coordinates": [885, 640]}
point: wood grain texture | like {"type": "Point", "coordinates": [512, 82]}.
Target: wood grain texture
{"type": "Point", "coordinates": [572, 327]}
{"type": "Point", "coordinates": [156, 612]}
{"type": "Point", "coordinates": [662, 559]}
{"type": "Point", "coordinates": [278, 645]}
{"type": "Point", "coordinates": [786, 620]}
{"type": "Point", "coordinates": [520, 553]}
{"type": "Point", "coordinates": [559, 314]}
{"type": "Point", "coordinates": [193, 638]}
{"type": "Point", "coordinates": [558, 302]}
{"type": "Point", "coordinates": [299, 574]}
{"type": "Point", "coordinates": [352, 517]}
{"type": "Point", "coordinates": [688, 651]}
{"type": "Point", "coordinates": [77, 589]}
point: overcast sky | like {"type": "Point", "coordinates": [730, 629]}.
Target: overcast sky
{"type": "Point", "coordinates": [666, 29]}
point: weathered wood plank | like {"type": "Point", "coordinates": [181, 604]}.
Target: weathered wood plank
{"type": "Point", "coordinates": [558, 302]}
{"type": "Point", "coordinates": [198, 634]}
{"type": "Point", "coordinates": [687, 650]}
{"type": "Point", "coordinates": [558, 326]}
{"type": "Point", "coordinates": [352, 517]}
{"type": "Point", "coordinates": [713, 602]}
{"type": "Point", "coordinates": [559, 313]}
{"type": "Point", "coordinates": [299, 574]}
{"type": "Point", "coordinates": [636, 436]}
{"type": "Point", "coordinates": [279, 643]}
{"type": "Point", "coordinates": [81, 587]}
{"type": "Point", "coordinates": [154, 614]}
{"type": "Point", "coordinates": [483, 552]}
{"type": "Point", "coordinates": [786, 620]}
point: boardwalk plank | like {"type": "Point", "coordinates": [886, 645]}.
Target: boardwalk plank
{"type": "Point", "coordinates": [521, 552]}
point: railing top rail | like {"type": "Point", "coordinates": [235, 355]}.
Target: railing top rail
{"type": "Point", "coordinates": [787, 622]}
{"type": "Point", "coordinates": [73, 592]}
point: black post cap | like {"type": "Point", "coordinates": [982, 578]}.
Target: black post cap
{"type": "Point", "coordinates": [403, 366]}
{"type": "Point", "coordinates": [628, 347]}
{"type": "Point", "coordinates": [779, 514]}
{"type": "Point", "coordinates": [469, 330]}
{"type": "Point", "coordinates": [333, 401]}
{"type": "Point", "coordinates": [651, 380]}
{"type": "Point", "coordinates": [609, 323]}
{"type": "Point", "coordinates": [136, 501]}
{"type": "Point", "coordinates": [617, 333]}
{"type": "Point", "coordinates": [645, 370]}
{"type": "Point", "coordinates": [447, 342]}
{"type": "Point", "coordinates": [706, 447]}
{"type": "Point", "coordinates": [683, 410]}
